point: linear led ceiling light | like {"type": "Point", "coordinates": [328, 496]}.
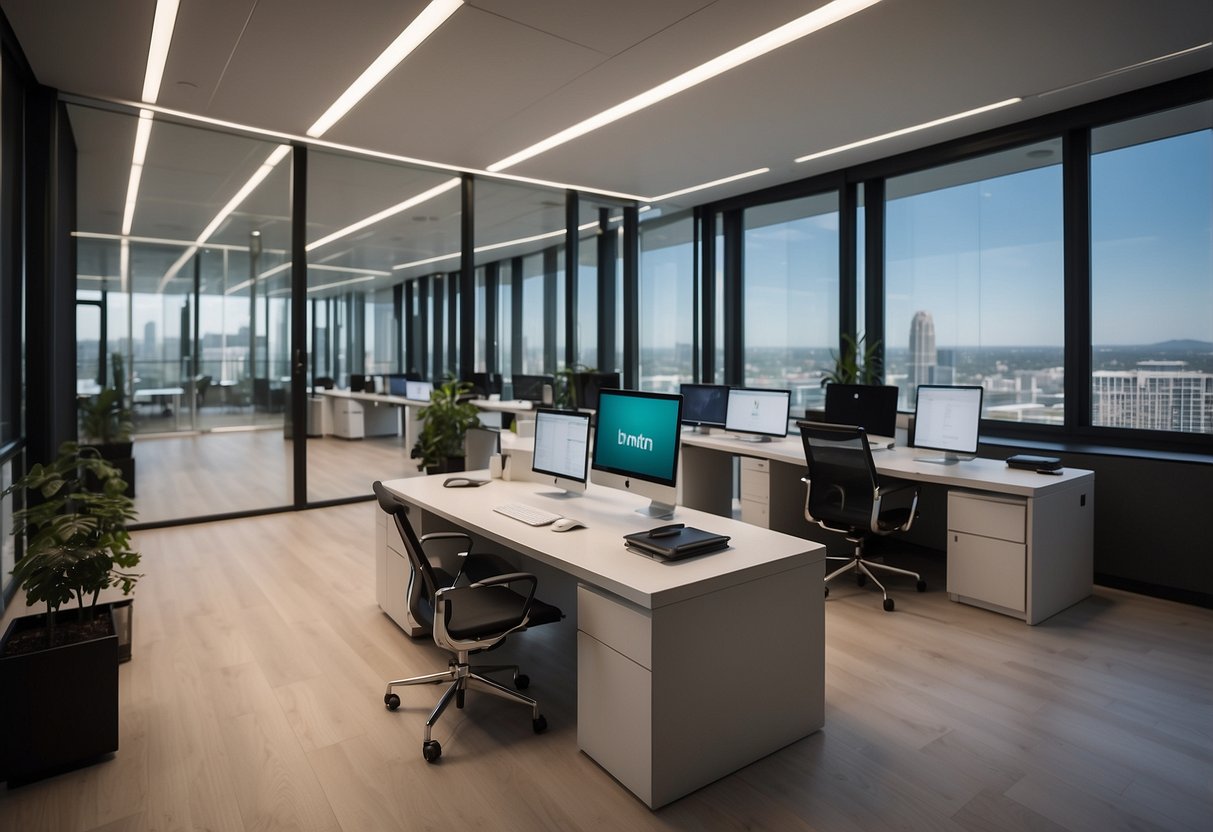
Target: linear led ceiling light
{"type": "Point", "coordinates": [157, 54]}
{"type": "Point", "coordinates": [903, 131]}
{"type": "Point", "coordinates": [812, 22]}
{"type": "Point", "coordinates": [425, 24]}
{"type": "Point", "coordinates": [712, 184]}
{"type": "Point", "coordinates": [547, 235]}
{"type": "Point", "coordinates": [385, 213]}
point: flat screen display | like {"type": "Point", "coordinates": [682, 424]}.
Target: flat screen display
{"type": "Point", "coordinates": [947, 418]}
{"type": "Point", "coordinates": [397, 386]}
{"type": "Point", "coordinates": [638, 435]}
{"type": "Point", "coordinates": [758, 410]}
{"type": "Point", "coordinates": [562, 444]}
{"type": "Point", "coordinates": [419, 390]}
{"type": "Point", "coordinates": [530, 388]}
{"type": "Point", "coordinates": [872, 407]}
{"type": "Point", "coordinates": [705, 405]}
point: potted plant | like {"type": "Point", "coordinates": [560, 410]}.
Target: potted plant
{"type": "Point", "coordinates": [106, 424]}
{"type": "Point", "coordinates": [857, 364]}
{"type": "Point", "coordinates": [445, 421]}
{"type": "Point", "coordinates": [59, 670]}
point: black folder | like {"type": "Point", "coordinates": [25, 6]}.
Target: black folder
{"type": "Point", "coordinates": [683, 543]}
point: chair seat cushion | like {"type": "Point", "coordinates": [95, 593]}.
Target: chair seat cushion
{"type": "Point", "coordinates": [477, 611]}
{"type": "Point", "coordinates": [893, 519]}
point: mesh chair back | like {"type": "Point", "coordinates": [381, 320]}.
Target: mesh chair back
{"type": "Point", "coordinates": [412, 546]}
{"type": "Point", "coordinates": [842, 476]}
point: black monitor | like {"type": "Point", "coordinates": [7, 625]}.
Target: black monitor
{"type": "Point", "coordinates": [562, 448]}
{"type": "Point", "coordinates": [636, 446]}
{"type": "Point", "coordinates": [586, 387]}
{"type": "Point", "coordinates": [946, 419]}
{"type": "Point", "coordinates": [531, 388]}
{"type": "Point", "coordinates": [758, 413]}
{"type": "Point", "coordinates": [358, 383]}
{"type": "Point", "coordinates": [872, 407]}
{"type": "Point", "coordinates": [486, 384]}
{"type": "Point", "coordinates": [704, 405]}
{"type": "Point", "coordinates": [395, 384]}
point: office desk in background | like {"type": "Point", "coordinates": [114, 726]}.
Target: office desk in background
{"type": "Point", "coordinates": [1018, 542]}
{"type": "Point", "coordinates": [355, 415]}
{"type": "Point", "coordinates": [686, 671]}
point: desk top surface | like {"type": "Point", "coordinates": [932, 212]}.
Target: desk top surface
{"type": "Point", "coordinates": [595, 555]}
{"type": "Point", "coordinates": [505, 405]}
{"type": "Point", "coordinates": [980, 474]}
{"type": "Point", "coordinates": [374, 398]}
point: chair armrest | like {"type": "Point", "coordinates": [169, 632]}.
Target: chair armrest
{"type": "Point", "coordinates": [513, 577]}
{"type": "Point", "coordinates": [425, 538]}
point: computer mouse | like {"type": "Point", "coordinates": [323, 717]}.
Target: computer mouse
{"type": "Point", "coordinates": [462, 482]}
{"type": "Point", "coordinates": [566, 524]}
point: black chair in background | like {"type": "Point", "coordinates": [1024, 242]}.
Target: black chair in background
{"type": "Point", "coordinates": [464, 620]}
{"type": "Point", "coordinates": [845, 494]}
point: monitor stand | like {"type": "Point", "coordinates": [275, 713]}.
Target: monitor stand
{"type": "Point", "coordinates": [753, 437]}
{"type": "Point", "coordinates": [948, 458]}
{"type": "Point", "coordinates": [655, 509]}
{"type": "Point", "coordinates": [701, 429]}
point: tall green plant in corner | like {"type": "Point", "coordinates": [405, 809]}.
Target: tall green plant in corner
{"type": "Point", "coordinates": [76, 538]}
{"type": "Point", "coordinates": [856, 364]}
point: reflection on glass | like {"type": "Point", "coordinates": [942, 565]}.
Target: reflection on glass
{"type": "Point", "coordinates": [666, 304]}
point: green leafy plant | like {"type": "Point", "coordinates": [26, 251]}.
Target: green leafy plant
{"type": "Point", "coordinates": [857, 363]}
{"type": "Point", "coordinates": [445, 421]}
{"type": "Point", "coordinates": [105, 418]}
{"type": "Point", "coordinates": [76, 538]}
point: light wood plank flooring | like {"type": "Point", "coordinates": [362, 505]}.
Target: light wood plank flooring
{"type": "Point", "coordinates": [254, 701]}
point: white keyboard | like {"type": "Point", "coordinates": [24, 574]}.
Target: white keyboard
{"type": "Point", "coordinates": [527, 514]}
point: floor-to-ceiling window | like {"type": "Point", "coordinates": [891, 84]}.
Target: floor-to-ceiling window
{"type": "Point", "coordinates": [791, 279]}
{"type": "Point", "coordinates": [666, 304]}
{"type": "Point", "coordinates": [1152, 272]}
{"type": "Point", "coordinates": [974, 281]}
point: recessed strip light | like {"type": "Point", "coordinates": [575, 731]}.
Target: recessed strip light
{"type": "Point", "coordinates": [712, 184]}
{"type": "Point", "coordinates": [1124, 69]}
{"type": "Point", "coordinates": [547, 235]}
{"type": "Point", "coordinates": [143, 134]}
{"type": "Point", "coordinates": [802, 26]}
{"type": "Point", "coordinates": [385, 213]}
{"type": "Point", "coordinates": [903, 131]}
{"type": "Point", "coordinates": [425, 24]}
{"type": "Point", "coordinates": [163, 241]}
{"type": "Point", "coordinates": [311, 289]}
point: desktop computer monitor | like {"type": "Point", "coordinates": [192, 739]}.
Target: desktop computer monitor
{"type": "Point", "coordinates": [418, 390]}
{"type": "Point", "coordinates": [946, 419]}
{"type": "Point", "coordinates": [757, 413]}
{"type": "Point", "coordinates": [396, 385]}
{"type": "Point", "coordinates": [704, 406]}
{"type": "Point", "coordinates": [872, 407]}
{"type": "Point", "coordinates": [636, 446]}
{"type": "Point", "coordinates": [358, 383]}
{"type": "Point", "coordinates": [486, 384]}
{"type": "Point", "coordinates": [587, 386]}
{"type": "Point", "coordinates": [562, 448]}
{"type": "Point", "coordinates": [532, 388]}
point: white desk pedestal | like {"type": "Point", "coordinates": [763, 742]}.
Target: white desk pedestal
{"type": "Point", "coordinates": [673, 698]}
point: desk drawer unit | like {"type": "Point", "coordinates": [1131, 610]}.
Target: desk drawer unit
{"type": "Point", "coordinates": [987, 551]}
{"type": "Point", "coordinates": [756, 491]}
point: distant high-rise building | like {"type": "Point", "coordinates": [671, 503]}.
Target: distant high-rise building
{"type": "Point", "coordinates": [922, 349]}
{"type": "Point", "coordinates": [1158, 395]}
{"type": "Point", "coordinates": [149, 338]}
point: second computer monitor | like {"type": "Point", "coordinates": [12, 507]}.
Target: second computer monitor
{"type": "Point", "coordinates": [532, 388]}
{"type": "Point", "coordinates": [418, 390]}
{"type": "Point", "coordinates": [636, 446]}
{"type": "Point", "coordinates": [758, 413]}
{"type": "Point", "coordinates": [562, 447]}
{"type": "Point", "coordinates": [872, 407]}
{"type": "Point", "coordinates": [947, 419]}
{"type": "Point", "coordinates": [704, 405]}
{"type": "Point", "coordinates": [587, 386]}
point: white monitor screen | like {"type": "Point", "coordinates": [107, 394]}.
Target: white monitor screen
{"type": "Point", "coordinates": [562, 442]}
{"type": "Point", "coordinates": [947, 418]}
{"type": "Point", "coordinates": [418, 390]}
{"type": "Point", "coordinates": [754, 410]}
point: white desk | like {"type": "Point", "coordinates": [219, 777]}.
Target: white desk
{"type": "Point", "coordinates": [686, 671]}
{"type": "Point", "coordinates": [153, 394]}
{"type": "Point", "coordinates": [354, 415]}
{"type": "Point", "coordinates": [1018, 542]}
{"type": "Point", "coordinates": [516, 406]}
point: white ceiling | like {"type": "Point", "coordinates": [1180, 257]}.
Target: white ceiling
{"type": "Point", "coordinates": [503, 74]}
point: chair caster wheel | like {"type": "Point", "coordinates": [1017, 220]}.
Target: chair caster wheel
{"type": "Point", "coordinates": [827, 592]}
{"type": "Point", "coordinates": [431, 750]}
{"type": "Point", "coordinates": [921, 586]}
{"type": "Point", "coordinates": [888, 605]}
{"type": "Point", "coordinates": [861, 579]}
{"type": "Point", "coordinates": [391, 701]}
{"type": "Point", "coordinates": [539, 725]}
{"type": "Point", "coordinates": [522, 681]}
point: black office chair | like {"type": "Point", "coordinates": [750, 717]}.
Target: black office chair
{"type": "Point", "coordinates": [464, 620]}
{"type": "Point", "coordinates": [845, 495]}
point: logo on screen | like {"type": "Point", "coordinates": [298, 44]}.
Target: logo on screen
{"type": "Point", "coordinates": [638, 441]}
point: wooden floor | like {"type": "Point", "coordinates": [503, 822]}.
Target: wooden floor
{"type": "Point", "coordinates": [199, 475]}
{"type": "Point", "coordinates": [254, 701]}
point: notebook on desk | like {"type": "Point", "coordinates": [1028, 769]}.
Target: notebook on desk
{"type": "Point", "coordinates": [683, 543]}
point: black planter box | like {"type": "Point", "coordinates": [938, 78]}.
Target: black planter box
{"type": "Point", "coordinates": [58, 707]}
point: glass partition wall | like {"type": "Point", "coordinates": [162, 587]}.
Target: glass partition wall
{"type": "Point", "coordinates": [182, 309]}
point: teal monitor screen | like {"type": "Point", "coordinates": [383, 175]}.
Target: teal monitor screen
{"type": "Point", "coordinates": [638, 435]}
